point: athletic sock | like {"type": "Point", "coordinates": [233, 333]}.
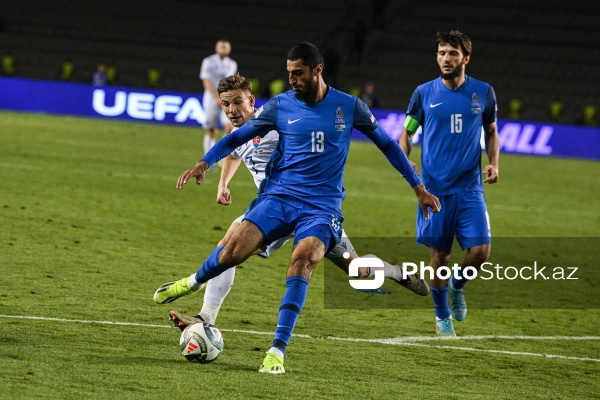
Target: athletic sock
{"type": "Point", "coordinates": [206, 315]}
{"type": "Point", "coordinates": [216, 290]}
{"type": "Point", "coordinates": [389, 270]}
{"type": "Point", "coordinates": [393, 271]}
{"type": "Point", "coordinates": [290, 308]}
{"type": "Point", "coordinates": [211, 142]}
{"type": "Point", "coordinates": [206, 143]}
{"type": "Point", "coordinates": [276, 350]}
{"type": "Point", "coordinates": [193, 283]}
{"type": "Point", "coordinates": [440, 301]}
{"type": "Point", "coordinates": [458, 283]}
{"type": "Point", "coordinates": [211, 267]}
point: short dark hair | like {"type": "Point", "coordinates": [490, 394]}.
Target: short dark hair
{"type": "Point", "coordinates": [234, 82]}
{"type": "Point", "coordinates": [457, 40]}
{"type": "Point", "coordinates": [308, 53]}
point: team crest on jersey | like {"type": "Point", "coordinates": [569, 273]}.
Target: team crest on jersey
{"type": "Point", "coordinates": [475, 105]}
{"type": "Point", "coordinates": [340, 122]}
{"type": "Point", "coordinates": [256, 141]}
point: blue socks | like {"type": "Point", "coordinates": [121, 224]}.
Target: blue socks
{"type": "Point", "coordinates": [290, 308]}
{"type": "Point", "coordinates": [211, 267]}
{"type": "Point", "coordinates": [458, 283]}
{"type": "Point", "coordinates": [440, 301]}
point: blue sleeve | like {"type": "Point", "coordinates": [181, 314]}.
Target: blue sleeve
{"type": "Point", "coordinates": [265, 118]}
{"type": "Point", "coordinates": [363, 118]}
{"type": "Point", "coordinates": [260, 124]}
{"type": "Point", "coordinates": [228, 144]}
{"type": "Point", "coordinates": [415, 107]}
{"type": "Point", "coordinates": [367, 124]}
{"type": "Point", "coordinates": [489, 115]}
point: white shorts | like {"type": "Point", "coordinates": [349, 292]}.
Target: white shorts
{"type": "Point", "coordinates": [343, 246]}
{"type": "Point", "coordinates": [213, 114]}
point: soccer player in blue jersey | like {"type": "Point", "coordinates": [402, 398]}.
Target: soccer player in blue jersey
{"type": "Point", "coordinates": [303, 188]}
{"type": "Point", "coordinates": [237, 102]}
{"type": "Point", "coordinates": [452, 110]}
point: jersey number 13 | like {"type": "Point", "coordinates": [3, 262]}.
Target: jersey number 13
{"type": "Point", "coordinates": [317, 141]}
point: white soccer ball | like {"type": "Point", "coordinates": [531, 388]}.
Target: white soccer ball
{"type": "Point", "coordinates": [201, 342]}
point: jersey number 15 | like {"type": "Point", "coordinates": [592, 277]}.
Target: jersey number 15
{"type": "Point", "coordinates": [456, 123]}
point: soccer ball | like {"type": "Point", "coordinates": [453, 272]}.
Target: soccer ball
{"type": "Point", "coordinates": [201, 342]}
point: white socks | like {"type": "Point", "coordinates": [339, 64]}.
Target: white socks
{"type": "Point", "coordinates": [193, 283]}
{"type": "Point", "coordinates": [389, 270]}
{"type": "Point", "coordinates": [216, 290]}
{"type": "Point", "coordinates": [208, 143]}
{"type": "Point", "coordinates": [275, 350]}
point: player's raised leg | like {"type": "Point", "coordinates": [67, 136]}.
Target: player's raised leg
{"type": "Point", "coordinates": [215, 293]}
{"type": "Point", "coordinates": [343, 253]}
{"type": "Point", "coordinates": [219, 287]}
{"type": "Point", "coordinates": [244, 242]}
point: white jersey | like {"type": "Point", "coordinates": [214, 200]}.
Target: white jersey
{"type": "Point", "coordinates": [256, 153]}
{"type": "Point", "coordinates": [215, 69]}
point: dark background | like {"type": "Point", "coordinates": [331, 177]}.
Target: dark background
{"type": "Point", "coordinates": [536, 51]}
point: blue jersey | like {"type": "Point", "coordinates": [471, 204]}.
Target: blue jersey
{"type": "Point", "coordinates": [314, 139]}
{"type": "Point", "coordinates": [452, 122]}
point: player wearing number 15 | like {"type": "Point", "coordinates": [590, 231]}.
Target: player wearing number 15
{"type": "Point", "coordinates": [452, 110]}
{"type": "Point", "coordinates": [303, 188]}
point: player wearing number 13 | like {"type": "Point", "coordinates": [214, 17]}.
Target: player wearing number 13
{"type": "Point", "coordinates": [303, 188]}
{"type": "Point", "coordinates": [452, 110]}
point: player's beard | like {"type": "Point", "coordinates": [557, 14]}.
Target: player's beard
{"type": "Point", "coordinates": [454, 74]}
{"type": "Point", "coordinates": [309, 93]}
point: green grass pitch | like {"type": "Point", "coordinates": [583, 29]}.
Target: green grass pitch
{"type": "Point", "coordinates": [91, 225]}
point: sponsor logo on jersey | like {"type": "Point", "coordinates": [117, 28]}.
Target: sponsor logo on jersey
{"type": "Point", "coordinates": [258, 112]}
{"type": "Point", "coordinates": [340, 122]}
{"type": "Point", "coordinates": [475, 105]}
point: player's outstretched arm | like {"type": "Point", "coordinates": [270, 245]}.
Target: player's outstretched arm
{"type": "Point", "coordinates": [228, 170]}
{"type": "Point", "coordinates": [427, 200]}
{"type": "Point", "coordinates": [197, 172]}
{"type": "Point", "coordinates": [492, 148]}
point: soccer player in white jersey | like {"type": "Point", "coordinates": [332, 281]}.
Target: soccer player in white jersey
{"type": "Point", "coordinates": [213, 69]}
{"type": "Point", "coordinates": [238, 103]}
{"type": "Point", "coordinates": [452, 109]}
{"type": "Point", "coordinates": [303, 189]}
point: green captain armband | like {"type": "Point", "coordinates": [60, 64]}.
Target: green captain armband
{"type": "Point", "coordinates": [411, 124]}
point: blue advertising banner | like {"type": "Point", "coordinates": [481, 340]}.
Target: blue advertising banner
{"type": "Point", "coordinates": [159, 106]}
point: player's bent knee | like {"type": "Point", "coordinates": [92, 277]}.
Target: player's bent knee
{"type": "Point", "coordinates": [439, 257]}
{"type": "Point", "coordinates": [232, 255]}
{"type": "Point", "coordinates": [480, 254]}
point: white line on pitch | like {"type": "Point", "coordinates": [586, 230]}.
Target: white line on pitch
{"type": "Point", "coordinates": [399, 341]}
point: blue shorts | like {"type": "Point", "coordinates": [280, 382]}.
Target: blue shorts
{"type": "Point", "coordinates": [463, 215]}
{"type": "Point", "coordinates": [279, 216]}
